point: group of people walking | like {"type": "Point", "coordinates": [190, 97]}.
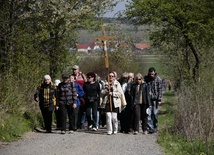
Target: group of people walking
{"type": "Point", "coordinates": [86, 98]}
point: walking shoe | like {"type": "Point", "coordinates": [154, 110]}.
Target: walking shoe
{"type": "Point", "coordinates": [94, 129]}
{"type": "Point", "coordinates": [115, 132]}
{"type": "Point", "coordinates": [48, 131]}
{"type": "Point", "coordinates": [109, 133]}
{"type": "Point", "coordinates": [71, 131]}
{"type": "Point", "coordinates": [62, 132]}
{"type": "Point", "coordinates": [89, 127]}
{"type": "Point", "coordinates": [135, 132]}
{"type": "Point", "coordinates": [151, 131]}
{"type": "Point", "coordinates": [145, 132]}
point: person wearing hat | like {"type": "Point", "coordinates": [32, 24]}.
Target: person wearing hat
{"type": "Point", "coordinates": [46, 96]}
{"type": "Point", "coordinates": [79, 76]}
{"type": "Point", "coordinates": [80, 79]}
{"type": "Point", "coordinates": [66, 102]}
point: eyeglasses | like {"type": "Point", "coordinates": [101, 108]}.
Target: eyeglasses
{"type": "Point", "coordinates": [111, 76]}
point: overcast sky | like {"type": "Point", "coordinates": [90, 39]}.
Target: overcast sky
{"type": "Point", "coordinates": [120, 6]}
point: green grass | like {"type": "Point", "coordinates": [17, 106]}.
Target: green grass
{"type": "Point", "coordinates": [173, 143]}
{"type": "Point", "coordinates": [13, 128]}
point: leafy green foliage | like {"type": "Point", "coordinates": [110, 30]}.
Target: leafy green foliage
{"type": "Point", "coordinates": [180, 30]}
{"type": "Point", "coordinates": [35, 37]}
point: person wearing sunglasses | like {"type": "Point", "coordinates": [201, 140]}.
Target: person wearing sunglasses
{"type": "Point", "coordinates": [140, 102]}
{"type": "Point", "coordinates": [114, 102]}
{"type": "Point", "coordinates": [92, 100]}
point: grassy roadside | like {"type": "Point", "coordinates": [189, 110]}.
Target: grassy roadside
{"type": "Point", "coordinates": [13, 127]}
{"type": "Point", "coordinates": [170, 141]}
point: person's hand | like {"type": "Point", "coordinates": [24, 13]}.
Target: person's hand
{"type": "Point", "coordinates": [74, 105]}
{"type": "Point", "coordinates": [110, 93]}
{"type": "Point", "coordinates": [36, 99]}
{"type": "Point", "coordinates": [57, 107]}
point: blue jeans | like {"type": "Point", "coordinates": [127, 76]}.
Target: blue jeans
{"type": "Point", "coordinates": [98, 118]}
{"type": "Point", "coordinates": [152, 123]}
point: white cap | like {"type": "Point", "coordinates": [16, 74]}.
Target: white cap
{"type": "Point", "coordinates": [76, 67]}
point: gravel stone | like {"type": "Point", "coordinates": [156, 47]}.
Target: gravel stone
{"type": "Point", "coordinates": [83, 142]}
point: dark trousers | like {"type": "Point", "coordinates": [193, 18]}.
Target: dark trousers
{"type": "Point", "coordinates": [136, 117]}
{"type": "Point", "coordinates": [47, 117]}
{"type": "Point", "coordinates": [58, 119]}
{"type": "Point", "coordinates": [93, 106]}
{"type": "Point", "coordinates": [102, 117]}
{"type": "Point", "coordinates": [75, 118]}
{"type": "Point", "coordinates": [125, 120]}
{"type": "Point", "coordinates": [144, 117]}
{"type": "Point", "coordinates": [64, 111]}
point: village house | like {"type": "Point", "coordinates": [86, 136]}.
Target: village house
{"type": "Point", "coordinates": [87, 47]}
{"type": "Point", "coordinates": [98, 47]}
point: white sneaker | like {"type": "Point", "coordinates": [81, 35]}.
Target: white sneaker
{"type": "Point", "coordinates": [94, 129]}
{"type": "Point", "coordinates": [71, 132]}
{"type": "Point", "coordinates": [115, 132]}
{"type": "Point", "coordinates": [109, 133]}
{"type": "Point", "coordinates": [89, 127]}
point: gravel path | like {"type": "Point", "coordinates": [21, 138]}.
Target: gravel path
{"type": "Point", "coordinates": [83, 142]}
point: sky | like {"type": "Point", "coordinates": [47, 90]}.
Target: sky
{"type": "Point", "coordinates": [120, 6]}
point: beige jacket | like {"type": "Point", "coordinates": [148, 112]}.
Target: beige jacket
{"type": "Point", "coordinates": [118, 96]}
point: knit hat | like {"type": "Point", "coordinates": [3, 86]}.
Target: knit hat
{"type": "Point", "coordinates": [47, 77]}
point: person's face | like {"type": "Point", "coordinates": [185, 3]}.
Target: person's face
{"type": "Point", "coordinates": [90, 78]}
{"type": "Point", "coordinates": [72, 79]}
{"type": "Point", "coordinates": [125, 79]}
{"type": "Point", "coordinates": [131, 77]}
{"type": "Point", "coordinates": [111, 77]}
{"type": "Point", "coordinates": [152, 74]}
{"type": "Point", "coordinates": [139, 80]}
{"type": "Point", "coordinates": [75, 71]}
{"type": "Point", "coordinates": [47, 81]}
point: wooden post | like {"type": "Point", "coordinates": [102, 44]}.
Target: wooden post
{"type": "Point", "coordinates": [104, 39]}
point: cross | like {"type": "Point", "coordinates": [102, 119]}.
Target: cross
{"type": "Point", "coordinates": [104, 39]}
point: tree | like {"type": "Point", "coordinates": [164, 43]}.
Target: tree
{"type": "Point", "coordinates": [181, 30]}
{"type": "Point", "coordinates": [35, 37]}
